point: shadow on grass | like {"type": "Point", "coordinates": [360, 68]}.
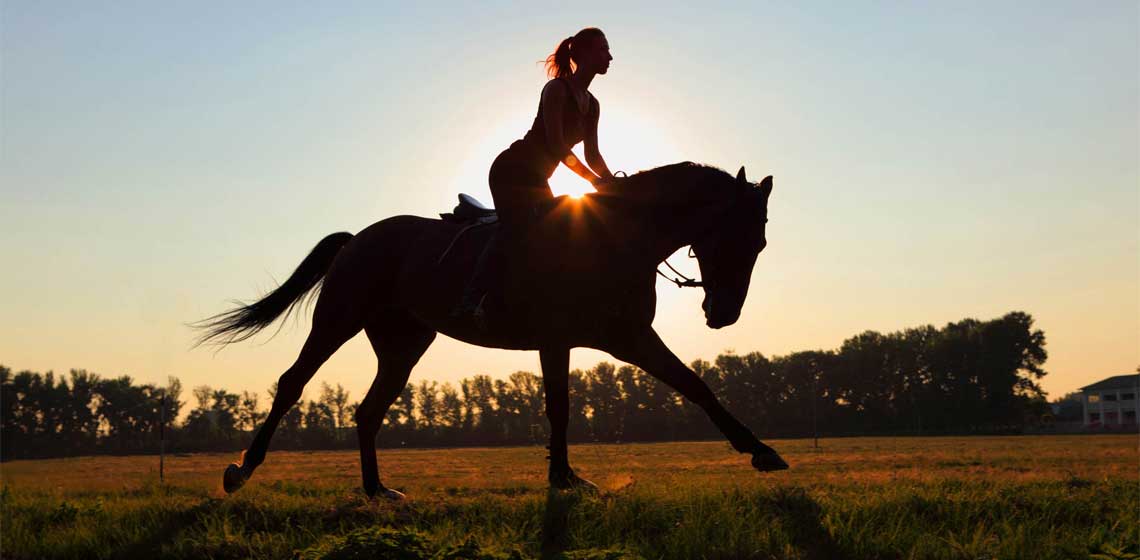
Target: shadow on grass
{"type": "Point", "coordinates": [803, 518]}
{"type": "Point", "coordinates": [170, 526]}
{"type": "Point", "coordinates": [556, 520]}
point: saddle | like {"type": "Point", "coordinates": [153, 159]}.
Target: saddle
{"type": "Point", "coordinates": [470, 211]}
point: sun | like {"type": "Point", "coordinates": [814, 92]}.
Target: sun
{"type": "Point", "coordinates": [566, 182]}
{"type": "Point", "coordinates": [630, 142]}
{"type": "Point", "coordinates": [629, 138]}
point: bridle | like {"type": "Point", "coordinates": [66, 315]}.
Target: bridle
{"type": "Point", "coordinates": [682, 281]}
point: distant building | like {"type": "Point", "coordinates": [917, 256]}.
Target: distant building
{"type": "Point", "coordinates": [1111, 403]}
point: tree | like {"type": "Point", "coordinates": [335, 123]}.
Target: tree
{"type": "Point", "coordinates": [320, 424]}
{"type": "Point", "coordinates": [215, 419]}
{"type": "Point", "coordinates": [579, 428]}
{"type": "Point", "coordinates": [1011, 357]}
{"type": "Point", "coordinates": [8, 429]}
{"type": "Point", "coordinates": [402, 413]}
{"type": "Point", "coordinates": [227, 413]}
{"type": "Point", "coordinates": [202, 396]}
{"type": "Point", "coordinates": [483, 399]}
{"type": "Point", "coordinates": [125, 410]}
{"type": "Point", "coordinates": [604, 396]}
{"type": "Point", "coordinates": [249, 415]}
{"type": "Point", "coordinates": [754, 388]}
{"type": "Point", "coordinates": [528, 419]}
{"type": "Point", "coordinates": [427, 395]}
{"type": "Point", "coordinates": [468, 406]}
{"type": "Point", "coordinates": [337, 401]}
{"type": "Point", "coordinates": [173, 394]}
{"type": "Point", "coordinates": [450, 408]}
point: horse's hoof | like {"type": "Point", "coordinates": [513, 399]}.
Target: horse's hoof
{"type": "Point", "coordinates": [394, 495]}
{"type": "Point", "coordinates": [570, 481]}
{"type": "Point", "coordinates": [233, 478]}
{"type": "Point", "coordinates": [378, 490]}
{"type": "Point", "coordinates": [767, 462]}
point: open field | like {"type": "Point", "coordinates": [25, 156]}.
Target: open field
{"type": "Point", "coordinates": [979, 497]}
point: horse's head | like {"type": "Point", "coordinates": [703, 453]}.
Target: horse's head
{"type": "Point", "coordinates": [727, 253]}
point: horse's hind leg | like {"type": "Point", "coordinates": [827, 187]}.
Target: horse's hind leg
{"type": "Point", "coordinates": [339, 315]}
{"type": "Point", "coordinates": [399, 341]}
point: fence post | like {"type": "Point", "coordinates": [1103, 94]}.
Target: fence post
{"type": "Point", "coordinates": [162, 440]}
{"type": "Point", "coordinates": [814, 398]}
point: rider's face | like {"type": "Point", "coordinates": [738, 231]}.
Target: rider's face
{"type": "Point", "coordinates": [595, 56]}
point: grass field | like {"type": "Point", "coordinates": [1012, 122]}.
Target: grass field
{"type": "Point", "coordinates": [979, 497]}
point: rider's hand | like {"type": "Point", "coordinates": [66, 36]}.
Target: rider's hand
{"type": "Point", "coordinates": [603, 181]}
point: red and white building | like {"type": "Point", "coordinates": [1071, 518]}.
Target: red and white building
{"type": "Point", "coordinates": [1112, 403]}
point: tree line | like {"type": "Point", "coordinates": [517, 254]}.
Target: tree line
{"type": "Point", "coordinates": [969, 376]}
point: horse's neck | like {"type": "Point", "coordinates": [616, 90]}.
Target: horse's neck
{"type": "Point", "coordinates": [683, 212]}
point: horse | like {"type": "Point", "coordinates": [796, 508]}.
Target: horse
{"type": "Point", "coordinates": [585, 277]}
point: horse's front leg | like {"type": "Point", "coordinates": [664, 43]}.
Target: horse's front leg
{"type": "Point", "coordinates": [647, 351]}
{"type": "Point", "coordinates": [555, 382]}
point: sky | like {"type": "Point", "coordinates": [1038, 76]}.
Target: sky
{"type": "Point", "coordinates": [932, 162]}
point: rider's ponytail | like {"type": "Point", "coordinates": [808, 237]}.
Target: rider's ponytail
{"type": "Point", "coordinates": [560, 64]}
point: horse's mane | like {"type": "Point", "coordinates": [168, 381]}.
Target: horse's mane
{"type": "Point", "coordinates": [683, 168]}
{"type": "Point", "coordinates": [665, 185]}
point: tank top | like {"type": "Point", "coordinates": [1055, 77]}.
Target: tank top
{"type": "Point", "coordinates": [533, 146]}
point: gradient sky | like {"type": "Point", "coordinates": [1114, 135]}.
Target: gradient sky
{"type": "Point", "coordinates": [932, 162]}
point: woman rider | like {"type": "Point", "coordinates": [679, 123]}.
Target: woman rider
{"type": "Point", "coordinates": [567, 114]}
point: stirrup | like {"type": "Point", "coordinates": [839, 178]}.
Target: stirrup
{"type": "Point", "coordinates": [479, 315]}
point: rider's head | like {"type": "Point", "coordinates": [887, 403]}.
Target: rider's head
{"type": "Point", "coordinates": [587, 51]}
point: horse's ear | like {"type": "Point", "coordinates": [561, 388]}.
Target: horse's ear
{"type": "Point", "coordinates": [740, 175]}
{"type": "Point", "coordinates": [766, 185]}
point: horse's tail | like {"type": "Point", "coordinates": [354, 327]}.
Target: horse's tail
{"type": "Point", "coordinates": [245, 321]}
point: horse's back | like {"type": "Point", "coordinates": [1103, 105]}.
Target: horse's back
{"type": "Point", "coordinates": [410, 256]}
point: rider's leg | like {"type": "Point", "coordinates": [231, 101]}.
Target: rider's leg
{"type": "Point", "coordinates": [480, 278]}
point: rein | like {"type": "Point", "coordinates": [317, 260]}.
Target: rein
{"type": "Point", "coordinates": [683, 281]}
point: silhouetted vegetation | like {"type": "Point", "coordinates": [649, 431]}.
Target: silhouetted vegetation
{"type": "Point", "coordinates": [967, 377]}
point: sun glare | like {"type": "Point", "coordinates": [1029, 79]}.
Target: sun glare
{"type": "Point", "coordinates": [629, 142]}
{"type": "Point", "coordinates": [569, 183]}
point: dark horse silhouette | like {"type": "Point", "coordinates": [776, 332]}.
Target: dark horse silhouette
{"type": "Point", "coordinates": [584, 277]}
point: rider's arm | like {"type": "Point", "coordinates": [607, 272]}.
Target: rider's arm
{"type": "Point", "coordinates": [593, 156]}
{"type": "Point", "coordinates": [553, 101]}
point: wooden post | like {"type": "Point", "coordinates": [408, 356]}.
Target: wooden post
{"type": "Point", "coordinates": [162, 440]}
{"type": "Point", "coordinates": [814, 397]}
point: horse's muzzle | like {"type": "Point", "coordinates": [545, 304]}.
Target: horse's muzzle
{"type": "Point", "coordinates": [718, 322]}
{"type": "Point", "coordinates": [711, 318]}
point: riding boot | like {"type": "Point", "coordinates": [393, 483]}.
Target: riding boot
{"type": "Point", "coordinates": [471, 305]}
